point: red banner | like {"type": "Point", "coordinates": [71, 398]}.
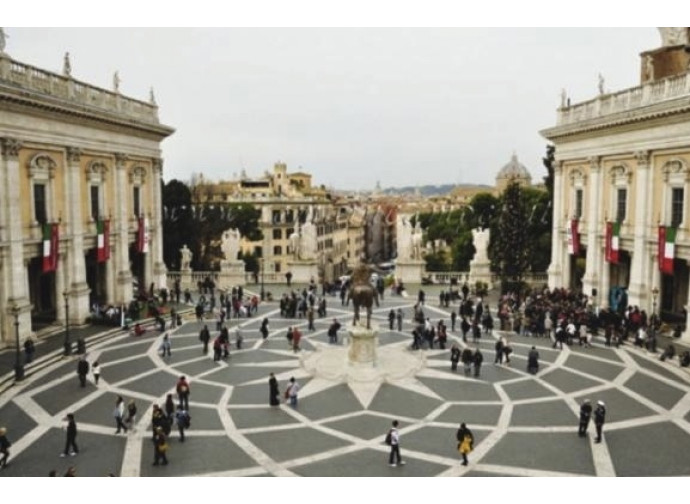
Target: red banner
{"type": "Point", "coordinates": [50, 247]}
{"type": "Point", "coordinates": [667, 249]}
{"type": "Point", "coordinates": [612, 242]}
{"type": "Point", "coordinates": [574, 237]}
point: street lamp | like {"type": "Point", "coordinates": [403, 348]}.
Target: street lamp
{"type": "Point", "coordinates": [263, 293]}
{"type": "Point", "coordinates": [18, 364]}
{"type": "Point", "coordinates": [67, 344]}
{"type": "Point", "coordinates": [655, 293]}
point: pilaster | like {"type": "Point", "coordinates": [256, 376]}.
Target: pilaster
{"type": "Point", "coordinates": [159, 269]}
{"type": "Point", "coordinates": [555, 269]}
{"type": "Point", "coordinates": [638, 290]}
{"type": "Point", "coordinates": [123, 273]}
{"type": "Point", "coordinates": [591, 278]}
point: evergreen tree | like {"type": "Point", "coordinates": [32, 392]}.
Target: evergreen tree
{"type": "Point", "coordinates": [510, 247]}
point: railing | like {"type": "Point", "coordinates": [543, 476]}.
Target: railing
{"type": "Point", "coordinates": [66, 88]}
{"type": "Point", "coordinates": [628, 99]}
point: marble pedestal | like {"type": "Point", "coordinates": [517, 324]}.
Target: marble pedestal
{"type": "Point", "coordinates": [303, 271]}
{"type": "Point", "coordinates": [231, 274]}
{"type": "Point", "coordinates": [410, 271]}
{"type": "Point", "coordinates": [480, 271]}
{"type": "Point", "coordinates": [362, 344]}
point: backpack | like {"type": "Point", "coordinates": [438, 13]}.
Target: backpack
{"type": "Point", "coordinates": [389, 438]}
{"type": "Point", "coordinates": [187, 420]}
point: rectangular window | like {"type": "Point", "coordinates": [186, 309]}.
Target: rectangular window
{"type": "Point", "coordinates": [258, 251]}
{"type": "Point", "coordinates": [290, 216]}
{"type": "Point", "coordinates": [677, 197]}
{"type": "Point", "coordinates": [277, 250]}
{"type": "Point", "coordinates": [276, 216]}
{"type": "Point", "coordinates": [136, 199]}
{"type": "Point", "coordinates": [277, 267]}
{"type": "Point", "coordinates": [277, 234]}
{"type": "Point", "coordinates": [578, 204]}
{"type": "Point", "coordinates": [95, 202]}
{"type": "Point", "coordinates": [621, 204]}
{"type": "Point", "coordinates": [40, 204]}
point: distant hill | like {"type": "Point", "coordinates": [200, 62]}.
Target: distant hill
{"type": "Point", "coordinates": [430, 190]}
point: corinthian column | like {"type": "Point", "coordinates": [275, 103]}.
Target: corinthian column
{"type": "Point", "coordinates": [555, 269]}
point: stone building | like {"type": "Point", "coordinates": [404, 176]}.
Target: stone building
{"type": "Point", "coordinates": [621, 187]}
{"type": "Point", "coordinates": [83, 164]}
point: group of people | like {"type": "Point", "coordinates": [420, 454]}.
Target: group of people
{"type": "Point", "coordinates": [291, 391]}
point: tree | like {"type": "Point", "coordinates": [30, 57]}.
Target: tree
{"type": "Point", "coordinates": [178, 224]}
{"type": "Point", "coordinates": [510, 247]}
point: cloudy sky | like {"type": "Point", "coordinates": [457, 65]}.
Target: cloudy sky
{"type": "Point", "coordinates": [352, 106]}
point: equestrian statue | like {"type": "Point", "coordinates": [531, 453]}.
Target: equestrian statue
{"type": "Point", "coordinates": [362, 293]}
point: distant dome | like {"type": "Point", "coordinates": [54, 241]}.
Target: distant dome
{"type": "Point", "coordinates": [514, 169]}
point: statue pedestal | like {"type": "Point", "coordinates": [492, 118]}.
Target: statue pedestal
{"type": "Point", "coordinates": [410, 271]}
{"type": "Point", "coordinates": [231, 274]}
{"type": "Point", "coordinates": [186, 279]}
{"type": "Point", "coordinates": [303, 271]}
{"type": "Point", "coordinates": [480, 271]}
{"type": "Point", "coordinates": [362, 344]}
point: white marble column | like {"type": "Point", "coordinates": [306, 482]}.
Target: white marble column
{"type": "Point", "coordinates": [555, 269]}
{"type": "Point", "coordinates": [593, 186]}
{"type": "Point", "coordinates": [123, 273]}
{"type": "Point", "coordinates": [639, 288]}
{"type": "Point", "coordinates": [76, 265]}
{"type": "Point", "coordinates": [16, 280]}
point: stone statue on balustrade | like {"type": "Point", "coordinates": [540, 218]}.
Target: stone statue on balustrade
{"type": "Point", "coordinates": [417, 242]}
{"type": "Point", "coordinates": [186, 258]}
{"type": "Point", "coordinates": [480, 240]}
{"type": "Point", "coordinates": [308, 243]}
{"type": "Point", "coordinates": [230, 244]}
{"type": "Point", "coordinates": [403, 229]}
{"type": "Point", "coordinates": [295, 243]}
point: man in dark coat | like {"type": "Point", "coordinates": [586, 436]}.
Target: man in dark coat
{"type": "Point", "coordinates": [204, 337]}
{"type": "Point", "coordinates": [599, 418]}
{"type": "Point", "coordinates": [533, 361]}
{"type": "Point", "coordinates": [585, 415]}
{"type": "Point", "coordinates": [71, 440]}
{"type": "Point", "coordinates": [274, 392]}
{"type": "Point", "coordinates": [82, 370]}
{"type": "Point", "coordinates": [477, 360]}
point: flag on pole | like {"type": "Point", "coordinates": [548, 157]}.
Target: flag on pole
{"type": "Point", "coordinates": [143, 235]}
{"type": "Point", "coordinates": [50, 247]}
{"type": "Point", "coordinates": [573, 237]}
{"type": "Point", "coordinates": [103, 243]}
{"type": "Point", "coordinates": [613, 230]}
{"type": "Point", "coordinates": [667, 249]}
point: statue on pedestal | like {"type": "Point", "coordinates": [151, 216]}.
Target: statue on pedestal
{"type": "Point", "coordinates": [403, 231]}
{"type": "Point", "coordinates": [230, 244]}
{"type": "Point", "coordinates": [295, 243]}
{"type": "Point", "coordinates": [186, 258]}
{"type": "Point", "coordinates": [308, 243]}
{"type": "Point", "coordinates": [417, 242]}
{"type": "Point", "coordinates": [480, 240]}
{"type": "Point", "coordinates": [362, 293]}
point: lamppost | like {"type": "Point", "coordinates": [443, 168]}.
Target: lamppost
{"type": "Point", "coordinates": [655, 293]}
{"type": "Point", "coordinates": [263, 293]}
{"type": "Point", "coordinates": [18, 364]}
{"type": "Point", "coordinates": [67, 344]}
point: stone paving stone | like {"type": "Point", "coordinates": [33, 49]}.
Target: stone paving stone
{"type": "Point", "coordinates": [276, 342]}
{"type": "Point", "coordinates": [491, 373]}
{"type": "Point", "coordinates": [396, 401]}
{"type": "Point", "coordinates": [258, 356]}
{"type": "Point", "coordinates": [471, 414]}
{"type": "Point", "coordinates": [251, 394]}
{"type": "Point", "coordinates": [461, 389]}
{"type": "Point", "coordinates": [526, 389]}
{"type": "Point", "coordinates": [436, 440]}
{"type": "Point", "coordinates": [563, 452]}
{"type": "Point", "coordinates": [593, 367]}
{"type": "Point", "coordinates": [60, 396]}
{"type": "Point", "coordinates": [156, 384]}
{"type": "Point", "coordinates": [17, 423]}
{"type": "Point", "coordinates": [100, 410]}
{"type": "Point", "coordinates": [540, 413]}
{"type": "Point", "coordinates": [239, 374]}
{"type": "Point", "coordinates": [133, 346]}
{"type": "Point", "coordinates": [659, 449]}
{"type": "Point", "coordinates": [597, 350]}
{"type": "Point", "coordinates": [485, 474]}
{"type": "Point", "coordinates": [365, 426]}
{"type": "Point", "coordinates": [294, 443]}
{"type": "Point", "coordinates": [619, 406]}
{"type": "Point", "coordinates": [203, 393]}
{"type": "Point", "coordinates": [197, 367]}
{"type": "Point", "coordinates": [395, 337]}
{"type": "Point", "coordinates": [70, 366]}
{"type": "Point", "coordinates": [196, 456]}
{"type": "Point", "coordinates": [99, 455]}
{"type": "Point", "coordinates": [654, 390]}
{"type": "Point", "coordinates": [186, 354]}
{"type": "Point", "coordinates": [250, 418]}
{"type": "Point", "coordinates": [115, 373]}
{"type": "Point", "coordinates": [568, 381]}
{"type": "Point", "coordinates": [203, 418]}
{"type": "Point", "coordinates": [334, 401]}
{"type": "Point", "coordinates": [368, 463]}
{"type": "Point", "coordinates": [659, 368]}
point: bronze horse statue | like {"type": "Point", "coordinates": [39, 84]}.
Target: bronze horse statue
{"type": "Point", "coordinates": [362, 294]}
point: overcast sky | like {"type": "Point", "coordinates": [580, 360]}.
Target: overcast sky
{"type": "Point", "coordinates": [351, 106]}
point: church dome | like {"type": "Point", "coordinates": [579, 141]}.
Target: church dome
{"type": "Point", "coordinates": [514, 169]}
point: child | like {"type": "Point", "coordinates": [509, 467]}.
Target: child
{"type": "Point", "coordinates": [96, 369]}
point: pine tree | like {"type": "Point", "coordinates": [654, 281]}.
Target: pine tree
{"type": "Point", "coordinates": [511, 247]}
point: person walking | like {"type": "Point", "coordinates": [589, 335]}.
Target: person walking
{"type": "Point", "coordinates": [296, 336]}
{"type": "Point", "coordinates": [205, 337]}
{"type": "Point", "coordinates": [165, 346]}
{"type": "Point", "coordinates": [333, 332]}
{"type": "Point", "coordinates": [96, 370]}
{"type": "Point", "coordinates": [391, 319]}
{"type": "Point", "coordinates": [477, 360]}
{"type": "Point", "coordinates": [499, 351]}
{"type": "Point", "coordinates": [399, 318]}
{"type": "Point", "coordinates": [82, 370]}
{"type": "Point", "coordinates": [119, 413]}
{"type": "Point", "coordinates": [467, 358]}
{"type": "Point", "coordinates": [585, 415]}
{"type": "Point", "coordinates": [71, 438]}
{"type": "Point", "coordinates": [465, 442]}
{"type": "Point", "coordinates": [160, 447]}
{"type": "Point", "coordinates": [183, 421]}
{"type": "Point", "coordinates": [4, 447]}
{"type": "Point", "coordinates": [131, 414]}
{"type": "Point", "coordinates": [454, 357]}
{"type": "Point", "coordinates": [599, 419]}
{"type": "Point", "coordinates": [182, 389]}
{"type": "Point", "coordinates": [292, 391]}
{"type": "Point", "coordinates": [264, 328]}
{"type": "Point", "coordinates": [453, 318]}
{"type": "Point", "coordinates": [273, 391]}
{"type": "Point", "coordinates": [533, 361]}
{"type": "Point", "coordinates": [394, 459]}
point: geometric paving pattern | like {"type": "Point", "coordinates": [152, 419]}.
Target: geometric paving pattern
{"type": "Point", "coordinates": [522, 423]}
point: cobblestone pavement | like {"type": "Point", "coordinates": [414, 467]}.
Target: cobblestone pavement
{"type": "Point", "coordinates": [524, 425]}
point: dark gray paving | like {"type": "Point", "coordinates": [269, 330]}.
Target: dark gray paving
{"type": "Point", "coordinates": [257, 356]}
{"type": "Point", "coordinates": [100, 410]}
{"type": "Point", "coordinates": [62, 395]}
{"type": "Point", "coordinates": [364, 426]}
{"type": "Point", "coordinates": [598, 351]}
{"type": "Point", "coordinates": [567, 381]}
{"type": "Point", "coordinates": [334, 401]}
{"type": "Point", "coordinates": [461, 389]}
{"type": "Point", "coordinates": [239, 374]}
{"type": "Point", "coordinates": [657, 392]}
{"type": "Point", "coordinates": [659, 449]}
{"type": "Point", "coordinates": [396, 401]}
{"type": "Point", "coordinates": [133, 346]}
{"type": "Point", "coordinates": [536, 414]}
{"type": "Point", "coordinates": [565, 452]}
{"type": "Point", "coordinates": [660, 368]}
{"type": "Point", "coordinates": [197, 367]}
{"type": "Point", "coordinates": [471, 414]}
{"type": "Point", "coordinates": [439, 441]}
{"type": "Point", "coordinates": [250, 418]}
{"type": "Point", "coordinates": [156, 384]}
{"type": "Point", "coordinates": [68, 367]}
{"type": "Point", "coordinates": [115, 373]}
{"type": "Point", "coordinates": [526, 389]}
{"type": "Point", "coordinates": [17, 423]}
{"type": "Point", "coordinates": [492, 373]}
{"type": "Point", "coordinates": [294, 443]}
{"type": "Point", "coordinates": [602, 370]}
{"type": "Point", "coordinates": [619, 406]}
{"type": "Point", "coordinates": [191, 457]}
{"type": "Point", "coordinates": [250, 394]}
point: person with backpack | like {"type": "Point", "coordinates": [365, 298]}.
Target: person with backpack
{"type": "Point", "coordinates": [131, 414]}
{"type": "Point", "coordinates": [182, 389]}
{"type": "Point", "coordinates": [393, 440]}
{"type": "Point", "coordinates": [183, 420]}
{"type": "Point", "coordinates": [465, 442]}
